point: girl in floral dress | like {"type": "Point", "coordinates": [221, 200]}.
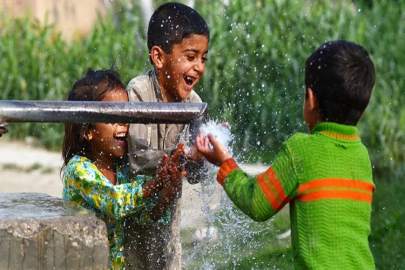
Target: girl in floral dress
{"type": "Point", "coordinates": [96, 174]}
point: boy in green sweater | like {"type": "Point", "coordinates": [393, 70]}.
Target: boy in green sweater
{"type": "Point", "coordinates": [325, 175]}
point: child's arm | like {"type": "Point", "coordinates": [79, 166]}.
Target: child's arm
{"type": "Point", "coordinates": [85, 184]}
{"type": "Point", "coordinates": [259, 197]}
{"type": "Point", "coordinates": [170, 178]}
{"type": "Point", "coordinates": [172, 184]}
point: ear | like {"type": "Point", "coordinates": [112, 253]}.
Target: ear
{"type": "Point", "coordinates": [89, 135]}
{"type": "Point", "coordinates": [156, 54]}
{"type": "Point", "coordinates": [312, 100]}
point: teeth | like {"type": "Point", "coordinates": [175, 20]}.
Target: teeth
{"type": "Point", "coordinates": [188, 78]}
{"type": "Point", "coordinates": [121, 135]}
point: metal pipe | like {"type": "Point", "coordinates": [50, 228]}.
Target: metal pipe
{"type": "Point", "coordinates": [100, 112]}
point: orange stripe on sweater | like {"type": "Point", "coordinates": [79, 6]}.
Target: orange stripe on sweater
{"type": "Point", "coordinates": [226, 168]}
{"type": "Point", "coordinates": [267, 191]}
{"type": "Point", "coordinates": [335, 183]}
{"type": "Point", "coordinates": [341, 136]}
{"type": "Point", "coordinates": [335, 194]}
{"type": "Point", "coordinates": [272, 177]}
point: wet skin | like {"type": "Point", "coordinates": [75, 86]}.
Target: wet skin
{"type": "Point", "coordinates": [108, 142]}
{"type": "Point", "coordinates": [182, 69]}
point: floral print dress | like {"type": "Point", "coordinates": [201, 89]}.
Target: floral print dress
{"type": "Point", "coordinates": [87, 186]}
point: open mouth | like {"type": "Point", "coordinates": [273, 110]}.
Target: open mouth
{"type": "Point", "coordinates": [121, 137]}
{"type": "Point", "coordinates": [189, 80]}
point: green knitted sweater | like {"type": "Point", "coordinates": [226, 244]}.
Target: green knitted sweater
{"type": "Point", "coordinates": [326, 177]}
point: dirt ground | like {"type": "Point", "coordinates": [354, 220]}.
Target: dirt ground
{"type": "Point", "coordinates": [24, 168]}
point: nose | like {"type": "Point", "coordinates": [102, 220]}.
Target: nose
{"type": "Point", "coordinates": [199, 67]}
{"type": "Point", "coordinates": [126, 125]}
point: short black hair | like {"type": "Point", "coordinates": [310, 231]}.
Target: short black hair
{"type": "Point", "coordinates": [173, 22]}
{"type": "Point", "coordinates": [342, 76]}
{"type": "Point", "coordinates": [92, 87]}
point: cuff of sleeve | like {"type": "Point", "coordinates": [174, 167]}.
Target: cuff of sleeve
{"type": "Point", "coordinates": [226, 168]}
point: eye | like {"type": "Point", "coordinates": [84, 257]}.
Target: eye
{"type": "Point", "coordinates": [204, 59]}
{"type": "Point", "coordinates": [191, 57]}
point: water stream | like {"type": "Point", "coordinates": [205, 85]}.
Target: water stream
{"type": "Point", "coordinates": [227, 236]}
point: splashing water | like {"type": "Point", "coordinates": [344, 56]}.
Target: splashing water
{"type": "Point", "coordinates": [227, 235]}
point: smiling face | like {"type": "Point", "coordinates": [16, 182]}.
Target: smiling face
{"type": "Point", "coordinates": [181, 70]}
{"type": "Point", "coordinates": [109, 141]}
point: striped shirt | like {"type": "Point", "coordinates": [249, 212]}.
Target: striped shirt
{"type": "Point", "coordinates": [327, 179]}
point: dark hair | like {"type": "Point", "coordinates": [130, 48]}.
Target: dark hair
{"type": "Point", "coordinates": [341, 75]}
{"type": "Point", "coordinates": [173, 22]}
{"type": "Point", "coordinates": [92, 87]}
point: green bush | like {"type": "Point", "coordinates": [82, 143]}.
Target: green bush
{"type": "Point", "coordinates": [255, 73]}
{"type": "Point", "coordinates": [37, 64]}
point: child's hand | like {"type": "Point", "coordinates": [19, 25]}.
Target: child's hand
{"type": "Point", "coordinates": [194, 154]}
{"type": "Point", "coordinates": [170, 174]}
{"type": "Point", "coordinates": [3, 127]}
{"type": "Point", "coordinates": [216, 155]}
{"type": "Point", "coordinates": [173, 183]}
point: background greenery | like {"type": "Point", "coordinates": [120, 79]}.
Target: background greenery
{"type": "Point", "coordinates": [254, 80]}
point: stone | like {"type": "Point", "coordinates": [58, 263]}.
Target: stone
{"type": "Point", "coordinates": [38, 231]}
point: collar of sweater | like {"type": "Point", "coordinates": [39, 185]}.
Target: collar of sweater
{"type": "Point", "coordinates": [337, 131]}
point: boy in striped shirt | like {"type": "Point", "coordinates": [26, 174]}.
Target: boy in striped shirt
{"type": "Point", "coordinates": [325, 175]}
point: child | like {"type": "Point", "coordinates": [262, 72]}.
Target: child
{"type": "Point", "coordinates": [96, 174]}
{"type": "Point", "coordinates": [325, 176]}
{"type": "Point", "coordinates": [178, 40]}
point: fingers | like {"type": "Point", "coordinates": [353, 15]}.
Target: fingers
{"type": "Point", "coordinates": [176, 156]}
{"type": "Point", "coordinates": [162, 163]}
{"type": "Point", "coordinates": [215, 143]}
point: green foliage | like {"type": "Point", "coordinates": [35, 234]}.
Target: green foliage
{"type": "Point", "coordinates": [255, 74]}
{"type": "Point", "coordinates": [37, 64]}
{"type": "Point", "coordinates": [388, 223]}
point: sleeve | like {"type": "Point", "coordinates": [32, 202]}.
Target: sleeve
{"type": "Point", "coordinates": [113, 201]}
{"type": "Point", "coordinates": [262, 196]}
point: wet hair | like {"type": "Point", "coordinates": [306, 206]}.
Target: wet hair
{"type": "Point", "coordinates": [341, 75]}
{"type": "Point", "coordinates": [92, 87]}
{"type": "Point", "coordinates": [173, 22]}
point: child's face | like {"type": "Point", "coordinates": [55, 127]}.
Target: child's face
{"type": "Point", "coordinates": [183, 68]}
{"type": "Point", "coordinates": [109, 140]}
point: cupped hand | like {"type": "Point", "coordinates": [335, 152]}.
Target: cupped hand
{"type": "Point", "coordinates": [173, 183]}
{"type": "Point", "coordinates": [215, 155]}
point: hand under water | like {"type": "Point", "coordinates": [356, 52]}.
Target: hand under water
{"type": "Point", "coordinates": [216, 154]}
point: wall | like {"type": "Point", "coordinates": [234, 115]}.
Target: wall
{"type": "Point", "coordinates": [74, 18]}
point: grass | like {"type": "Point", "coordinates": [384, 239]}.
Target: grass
{"type": "Point", "coordinates": [387, 239]}
{"type": "Point", "coordinates": [34, 167]}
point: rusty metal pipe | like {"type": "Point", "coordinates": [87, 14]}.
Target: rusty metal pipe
{"type": "Point", "coordinates": [100, 112]}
